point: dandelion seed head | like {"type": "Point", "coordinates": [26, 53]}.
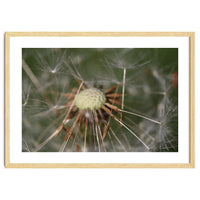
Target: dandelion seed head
{"type": "Point", "coordinates": [92, 99]}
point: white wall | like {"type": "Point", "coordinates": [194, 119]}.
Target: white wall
{"type": "Point", "coordinates": [154, 15]}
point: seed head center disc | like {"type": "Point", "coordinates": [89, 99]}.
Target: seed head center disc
{"type": "Point", "coordinates": [92, 99]}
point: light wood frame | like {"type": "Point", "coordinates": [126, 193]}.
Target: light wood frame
{"type": "Point", "coordinates": [191, 36]}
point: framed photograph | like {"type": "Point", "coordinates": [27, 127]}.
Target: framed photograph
{"type": "Point", "coordinates": [99, 100]}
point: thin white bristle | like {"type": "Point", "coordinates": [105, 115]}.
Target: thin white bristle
{"type": "Point", "coordinates": [142, 116]}
{"type": "Point", "coordinates": [123, 88]}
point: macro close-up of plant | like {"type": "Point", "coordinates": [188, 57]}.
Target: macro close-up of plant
{"type": "Point", "coordinates": [100, 100]}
